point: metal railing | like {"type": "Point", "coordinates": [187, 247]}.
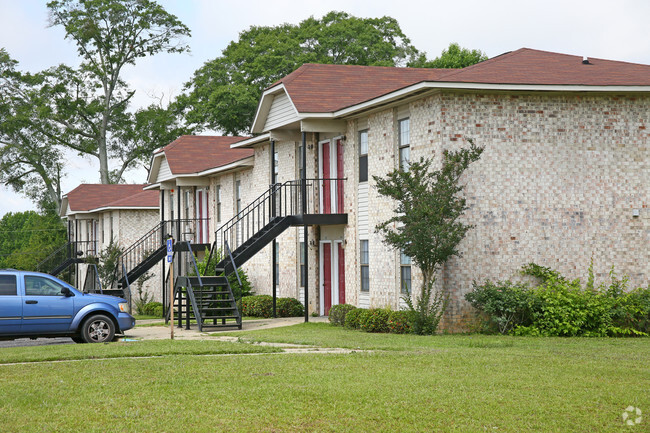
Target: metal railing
{"type": "Point", "coordinates": [92, 283]}
{"type": "Point", "coordinates": [181, 230]}
{"type": "Point", "coordinates": [281, 200]}
{"type": "Point", "coordinates": [68, 251]}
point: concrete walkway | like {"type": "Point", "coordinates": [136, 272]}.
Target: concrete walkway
{"type": "Point", "coordinates": [163, 332]}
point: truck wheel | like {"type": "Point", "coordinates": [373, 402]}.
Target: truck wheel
{"type": "Point", "coordinates": [78, 340]}
{"type": "Point", "coordinates": [98, 329]}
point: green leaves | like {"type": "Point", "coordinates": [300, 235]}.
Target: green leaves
{"type": "Point", "coordinates": [454, 57]}
{"type": "Point", "coordinates": [223, 94]}
{"type": "Point", "coordinates": [426, 225]}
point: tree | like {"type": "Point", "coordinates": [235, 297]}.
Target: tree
{"type": "Point", "coordinates": [26, 238]}
{"type": "Point", "coordinates": [223, 94]}
{"type": "Point", "coordinates": [109, 35]}
{"type": "Point", "coordinates": [426, 225]}
{"type": "Point", "coordinates": [454, 57]}
{"type": "Point", "coordinates": [29, 158]}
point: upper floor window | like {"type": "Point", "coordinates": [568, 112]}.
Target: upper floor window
{"type": "Point", "coordinates": [276, 162]}
{"type": "Point", "coordinates": [218, 198]}
{"type": "Point", "coordinates": [363, 156]}
{"type": "Point", "coordinates": [404, 143]}
{"type": "Point", "coordinates": [238, 196]}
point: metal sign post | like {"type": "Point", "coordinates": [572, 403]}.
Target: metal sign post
{"type": "Point", "coordinates": [170, 260]}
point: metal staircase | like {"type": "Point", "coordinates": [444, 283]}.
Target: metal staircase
{"type": "Point", "coordinates": [207, 300]}
{"type": "Point", "coordinates": [67, 255]}
{"type": "Point", "coordinates": [270, 214]}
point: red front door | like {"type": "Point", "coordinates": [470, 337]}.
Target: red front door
{"type": "Point", "coordinates": [327, 277]}
{"type": "Point", "coordinates": [341, 273]}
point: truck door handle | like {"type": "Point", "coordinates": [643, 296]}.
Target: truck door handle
{"type": "Point", "coordinates": [31, 302]}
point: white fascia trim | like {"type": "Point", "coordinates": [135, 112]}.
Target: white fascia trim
{"type": "Point", "coordinates": [252, 141]}
{"type": "Point", "coordinates": [152, 186]}
{"type": "Point", "coordinates": [107, 208]}
{"type": "Point", "coordinates": [483, 86]}
{"type": "Point", "coordinates": [246, 162]}
{"type": "Point", "coordinates": [155, 166]}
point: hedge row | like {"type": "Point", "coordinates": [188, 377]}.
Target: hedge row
{"type": "Point", "coordinates": [262, 306]}
{"type": "Point", "coordinates": [370, 320]}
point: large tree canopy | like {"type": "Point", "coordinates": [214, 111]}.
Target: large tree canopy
{"type": "Point", "coordinates": [223, 94]}
{"type": "Point", "coordinates": [109, 35]}
{"type": "Point", "coordinates": [454, 57]}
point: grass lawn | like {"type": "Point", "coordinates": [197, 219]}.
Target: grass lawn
{"type": "Point", "coordinates": [408, 383]}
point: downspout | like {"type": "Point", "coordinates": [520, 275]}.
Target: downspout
{"type": "Point", "coordinates": [274, 261]}
{"type": "Point", "coordinates": [303, 187]}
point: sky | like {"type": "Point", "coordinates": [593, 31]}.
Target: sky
{"type": "Point", "coordinates": [615, 30]}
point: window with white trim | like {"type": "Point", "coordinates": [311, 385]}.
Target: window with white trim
{"type": "Point", "coordinates": [363, 156]}
{"type": "Point", "coordinates": [405, 273]}
{"type": "Point", "coordinates": [365, 269]}
{"type": "Point", "coordinates": [404, 143]}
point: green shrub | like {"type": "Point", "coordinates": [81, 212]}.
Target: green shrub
{"type": "Point", "coordinates": [257, 306]}
{"type": "Point", "coordinates": [399, 322]}
{"type": "Point", "coordinates": [560, 307]}
{"type": "Point", "coordinates": [374, 320]}
{"type": "Point", "coordinates": [338, 312]}
{"type": "Point", "coordinates": [352, 318]}
{"type": "Point", "coordinates": [506, 304]}
{"type": "Point", "coordinates": [427, 310]}
{"type": "Point", "coordinates": [152, 309]}
{"type": "Point", "coordinates": [288, 307]}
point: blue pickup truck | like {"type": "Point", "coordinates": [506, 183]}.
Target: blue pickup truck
{"type": "Point", "coordinates": [34, 305]}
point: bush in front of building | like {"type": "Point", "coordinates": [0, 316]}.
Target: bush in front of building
{"type": "Point", "coordinates": [374, 320]}
{"type": "Point", "coordinates": [338, 312]}
{"type": "Point", "coordinates": [557, 306]}
{"type": "Point", "coordinates": [152, 309]}
{"type": "Point", "coordinates": [262, 306]}
{"type": "Point", "coordinates": [352, 318]}
{"type": "Point", "coordinates": [399, 322]}
{"type": "Point", "coordinates": [289, 307]}
{"type": "Point", "coordinates": [257, 306]}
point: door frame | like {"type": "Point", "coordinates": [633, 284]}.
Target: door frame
{"type": "Point", "coordinates": [333, 172]}
{"type": "Point", "coordinates": [201, 210]}
{"type": "Point", "coordinates": [335, 272]}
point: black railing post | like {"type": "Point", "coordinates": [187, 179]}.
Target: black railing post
{"type": "Point", "coordinates": [305, 227]}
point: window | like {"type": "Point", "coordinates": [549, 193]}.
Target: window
{"type": "Point", "coordinates": [404, 144]}
{"type": "Point", "coordinates": [103, 223]}
{"type": "Point", "coordinates": [302, 264]}
{"type": "Point", "coordinates": [276, 162]}
{"type": "Point", "coordinates": [365, 270]}
{"type": "Point", "coordinates": [40, 286]}
{"type": "Point", "coordinates": [8, 285]}
{"type": "Point", "coordinates": [405, 273]}
{"type": "Point", "coordinates": [187, 205]}
{"type": "Point", "coordinates": [111, 239]}
{"type": "Point", "coordinates": [218, 193]}
{"type": "Point", "coordinates": [171, 204]}
{"type": "Point", "coordinates": [363, 156]}
{"type": "Point", "coordinates": [238, 196]}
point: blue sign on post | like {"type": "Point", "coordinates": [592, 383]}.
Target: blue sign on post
{"type": "Point", "coordinates": [170, 250]}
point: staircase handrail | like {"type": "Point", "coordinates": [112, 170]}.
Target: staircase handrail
{"type": "Point", "coordinates": [234, 266]}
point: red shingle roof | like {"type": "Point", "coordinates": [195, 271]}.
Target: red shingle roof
{"type": "Point", "coordinates": [326, 88]}
{"type": "Point", "coordinates": [528, 66]}
{"type": "Point", "coordinates": [194, 153]}
{"type": "Point", "coordinates": [87, 197]}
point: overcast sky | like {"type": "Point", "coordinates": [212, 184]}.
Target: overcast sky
{"type": "Point", "coordinates": [615, 30]}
